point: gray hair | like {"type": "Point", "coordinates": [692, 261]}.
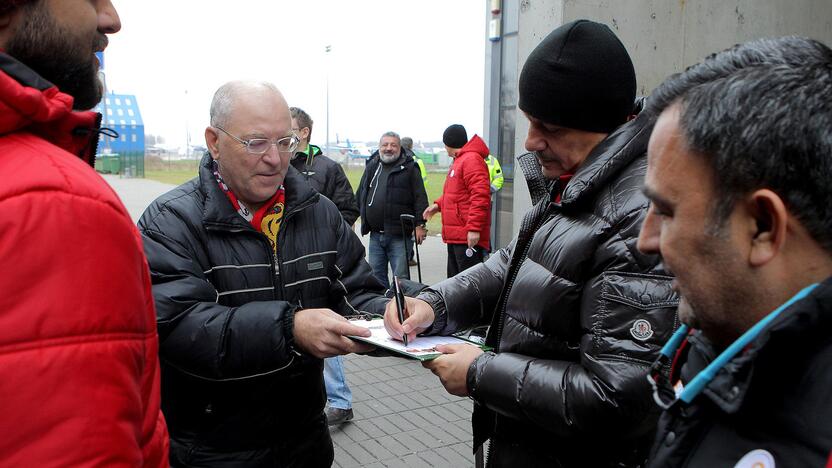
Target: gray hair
{"type": "Point", "coordinates": [221, 105]}
{"type": "Point", "coordinates": [407, 143]}
{"type": "Point", "coordinates": [390, 134]}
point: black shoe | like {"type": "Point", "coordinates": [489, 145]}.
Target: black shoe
{"type": "Point", "coordinates": [337, 416]}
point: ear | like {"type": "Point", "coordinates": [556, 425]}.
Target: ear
{"type": "Point", "coordinates": [212, 142]}
{"type": "Point", "coordinates": [771, 217]}
{"type": "Point", "coordinates": [8, 23]}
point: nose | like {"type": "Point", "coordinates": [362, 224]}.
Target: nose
{"type": "Point", "coordinates": [108, 19]}
{"type": "Point", "coordinates": [272, 156]}
{"type": "Point", "coordinates": [650, 235]}
{"type": "Point", "coordinates": [534, 139]}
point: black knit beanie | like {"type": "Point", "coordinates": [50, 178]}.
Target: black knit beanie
{"type": "Point", "coordinates": [580, 77]}
{"type": "Point", "coordinates": [455, 136]}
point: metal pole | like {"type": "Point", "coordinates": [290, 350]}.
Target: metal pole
{"type": "Point", "coordinates": [328, 50]}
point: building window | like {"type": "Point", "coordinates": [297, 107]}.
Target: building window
{"type": "Point", "coordinates": [128, 102]}
{"type": "Point", "coordinates": [130, 112]}
{"type": "Point", "coordinates": [107, 101]}
{"type": "Point", "coordinates": [133, 138]}
{"type": "Point", "coordinates": [109, 111]}
{"type": "Point", "coordinates": [120, 112]}
{"type": "Point", "coordinates": [118, 101]}
{"type": "Point", "coordinates": [124, 138]}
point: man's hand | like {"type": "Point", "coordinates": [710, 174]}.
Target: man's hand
{"type": "Point", "coordinates": [418, 316]}
{"type": "Point", "coordinates": [452, 366]}
{"type": "Point", "coordinates": [430, 211]}
{"type": "Point", "coordinates": [421, 233]}
{"type": "Point", "coordinates": [322, 333]}
{"type": "Point", "coordinates": [473, 239]}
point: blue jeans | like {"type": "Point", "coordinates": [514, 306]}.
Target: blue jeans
{"type": "Point", "coordinates": [383, 249]}
{"type": "Point", "coordinates": [338, 393]}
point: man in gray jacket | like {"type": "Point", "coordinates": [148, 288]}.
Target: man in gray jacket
{"type": "Point", "coordinates": [577, 313]}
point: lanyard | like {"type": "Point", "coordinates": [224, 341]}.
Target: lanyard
{"type": "Point", "coordinates": [703, 378]}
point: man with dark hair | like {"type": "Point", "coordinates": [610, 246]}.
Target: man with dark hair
{"type": "Point", "coordinates": [390, 187]}
{"type": "Point", "coordinates": [323, 174]}
{"type": "Point", "coordinates": [738, 175]}
{"type": "Point", "coordinates": [465, 201]}
{"type": "Point", "coordinates": [253, 272]}
{"type": "Point", "coordinates": [327, 178]}
{"type": "Point", "coordinates": [79, 366]}
{"type": "Point", "coordinates": [576, 313]}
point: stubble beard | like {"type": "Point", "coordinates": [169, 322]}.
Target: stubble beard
{"type": "Point", "coordinates": [721, 307]}
{"type": "Point", "coordinates": [58, 55]}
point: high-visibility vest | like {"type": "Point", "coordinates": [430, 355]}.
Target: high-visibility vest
{"type": "Point", "coordinates": [495, 173]}
{"type": "Point", "coordinates": [424, 172]}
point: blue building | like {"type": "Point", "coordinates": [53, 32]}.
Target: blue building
{"type": "Point", "coordinates": [120, 112]}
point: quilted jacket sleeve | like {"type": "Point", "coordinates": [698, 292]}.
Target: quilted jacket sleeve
{"type": "Point", "coordinates": [342, 194]}
{"type": "Point", "coordinates": [627, 311]}
{"type": "Point", "coordinates": [198, 335]}
{"type": "Point", "coordinates": [356, 289]}
{"type": "Point", "coordinates": [469, 298]}
{"type": "Point", "coordinates": [475, 177]}
{"type": "Point", "coordinates": [78, 352]}
{"type": "Point", "coordinates": [420, 199]}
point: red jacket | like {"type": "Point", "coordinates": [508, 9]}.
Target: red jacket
{"type": "Point", "coordinates": [466, 197]}
{"type": "Point", "coordinates": [79, 366]}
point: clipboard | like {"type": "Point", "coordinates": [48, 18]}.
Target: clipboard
{"type": "Point", "coordinates": [423, 348]}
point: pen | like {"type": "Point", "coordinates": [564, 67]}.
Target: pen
{"type": "Point", "coordinates": [400, 304]}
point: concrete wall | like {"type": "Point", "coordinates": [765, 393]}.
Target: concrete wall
{"type": "Point", "coordinates": [665, 36]}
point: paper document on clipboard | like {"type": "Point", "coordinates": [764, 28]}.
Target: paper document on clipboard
{"type": "Point", "coordinates": [422, 348]}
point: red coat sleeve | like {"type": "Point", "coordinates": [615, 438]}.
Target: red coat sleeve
{"type": "Point", "coordinates": [78, 346]}
{"type": "Point", "coordinates": [476, 180]}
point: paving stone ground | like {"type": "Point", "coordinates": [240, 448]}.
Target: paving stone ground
{"type": "Point", "coordinates": [403, 416]}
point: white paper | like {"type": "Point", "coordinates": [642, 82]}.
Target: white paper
{"type": "Point", "coordinates": [421, 347]}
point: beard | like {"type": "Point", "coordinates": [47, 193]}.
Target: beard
{"type": "Point", "coordinates": [388, 158]}
{"type": "Point", "coordinates": [59, 55]}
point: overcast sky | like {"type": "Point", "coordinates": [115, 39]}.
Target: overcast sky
{"type": "Point", "coordinates": [411, 66]}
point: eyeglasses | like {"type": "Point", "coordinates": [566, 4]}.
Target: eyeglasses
{"type": "Point", "coordinates": [258, 146]}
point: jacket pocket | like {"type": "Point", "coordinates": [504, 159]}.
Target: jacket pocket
{"type": "Point", "coordinates": [307, 278]}
{"type": "Point", "coordinates": [636, 316]}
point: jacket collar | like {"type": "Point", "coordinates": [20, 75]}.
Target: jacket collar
{"type": "Point", "coordinates": [220, 214]}
{"type": "Point", "coordinates": [30, 103]}
{"type": "Point", "coordinates": [615, 152]}
{"type": "Point", "coordinates": [804, 324]}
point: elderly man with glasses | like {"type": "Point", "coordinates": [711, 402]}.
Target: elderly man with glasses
{"type": "Point", "coordinates": [253, 272]}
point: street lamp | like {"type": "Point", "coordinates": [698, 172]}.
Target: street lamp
{"type": "Point", "coordinates": [327, 50]}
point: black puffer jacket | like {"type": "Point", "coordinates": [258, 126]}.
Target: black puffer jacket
{"type": "Point", "coordinates": [233, 388]}
{"type": "Point", "coordinates": [328, 178]}
{"type": "Point", "coordinates": [577, 316]}
{"type": "Point", "coordinates": [768, 406]}
{"type": "Point", "coordinates": [405, 194]}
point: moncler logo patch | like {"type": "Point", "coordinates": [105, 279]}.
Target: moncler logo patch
{"type": "Point", "coordinates": [641, 330]}
{"type": "Point", "coordinates": [756, 459]}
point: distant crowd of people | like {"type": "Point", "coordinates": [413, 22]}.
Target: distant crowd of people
{"type": "Point", "coordinates": [663, 303]}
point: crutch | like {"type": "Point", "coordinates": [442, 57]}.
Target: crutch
{"type": "Point", "coordinates": [412, 219]}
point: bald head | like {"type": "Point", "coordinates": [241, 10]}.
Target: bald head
{"type": "Point", "coordinates": [222, 106]}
